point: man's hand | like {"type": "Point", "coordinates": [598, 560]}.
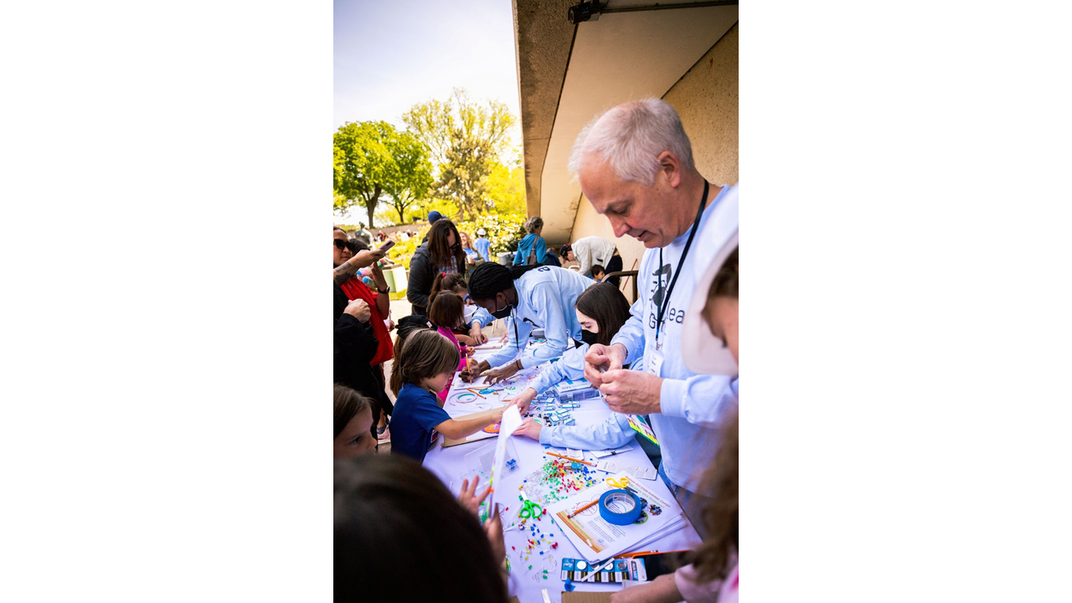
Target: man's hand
{"type": "Point", "coordinates": [478, 336]}
{"type": "Point", "coordinates": [632, 392]}
{"type": "Point", "coordinates": [468, 497]}
{"type": "Point", "coordinates": [503, 372]}
{"type": "Point", "coordinates": [359, 309]}
{"type": "Point", "coordinates": [473, 370]}
{"type": "Point", "coordinates": [601, 358]}
{"type": "Point", "coordinates": [529, 428]}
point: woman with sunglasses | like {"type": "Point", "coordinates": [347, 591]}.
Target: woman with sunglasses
{"type": "Point", "coordinates": [350, 257]}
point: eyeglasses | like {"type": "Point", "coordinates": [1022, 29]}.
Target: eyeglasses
{"type": "Point", "coordinates": [340, 244]}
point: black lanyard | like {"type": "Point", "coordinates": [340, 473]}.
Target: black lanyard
{"type": "Point", "coordinates": [677, 271]}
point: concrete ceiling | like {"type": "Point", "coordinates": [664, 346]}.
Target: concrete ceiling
{"type": "Point", "coordinates": [617, 58]}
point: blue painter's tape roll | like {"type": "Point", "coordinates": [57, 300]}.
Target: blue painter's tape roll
{"type": "Point", "coordinates": [619, 507]}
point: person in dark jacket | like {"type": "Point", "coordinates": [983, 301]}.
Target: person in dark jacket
{"type": "Point", "coordinates": [442, 253]}
{"type": "Point", "coordinates": [354, 347]}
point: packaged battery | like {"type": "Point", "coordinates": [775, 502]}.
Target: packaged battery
{"type": "Point", "coordinates": [578, 395]}
{"type": "Point", "coordinates": [569, 386]}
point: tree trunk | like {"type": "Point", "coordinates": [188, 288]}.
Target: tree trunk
{"type": "Point", "coordinates": [371, 206]}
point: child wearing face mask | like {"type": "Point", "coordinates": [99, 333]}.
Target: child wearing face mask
{"type": "Point", "coordinates": [601, 310]}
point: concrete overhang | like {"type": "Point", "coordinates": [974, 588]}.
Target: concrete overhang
{"type": "Point", "coordinates": [568, 74]}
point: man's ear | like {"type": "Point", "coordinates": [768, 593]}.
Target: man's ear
{"type": "Point", "coordinates": [670, 167]}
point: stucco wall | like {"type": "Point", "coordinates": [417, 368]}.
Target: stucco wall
{"type": "Point", "coordinates": [706, 99]}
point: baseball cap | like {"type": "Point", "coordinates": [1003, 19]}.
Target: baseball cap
{"type": "Point", "coordinates": [481, 232]}
{"type": "Point", "coordinates": [703, 353]}
{"type": "Point", "coordinates": [433, 216]}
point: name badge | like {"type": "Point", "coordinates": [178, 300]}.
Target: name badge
{"type": "Point", "coordinates": [654, 362]}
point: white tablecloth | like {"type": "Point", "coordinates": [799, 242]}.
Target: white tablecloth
{"type": "Point", "coordinates": [451, 466]}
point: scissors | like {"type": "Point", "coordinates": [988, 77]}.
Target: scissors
{"type": "Point", "coordinates": [530, 510]}
{"type": "Point", "coordinates": [618, 483]}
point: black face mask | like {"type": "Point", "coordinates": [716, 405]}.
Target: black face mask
{"type": "Point", "coordinates": [589, 337]}
{"type": "Point", "coordinates": [504, 312]}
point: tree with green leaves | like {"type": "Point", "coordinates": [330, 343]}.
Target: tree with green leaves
{"type": "Point", "coordinates": [373, 159]}
{"type": "Point", "coordinates": [465, 139]}
{"type": "Point", "coordinates": [506, 190]}
{"type": "Point", "coordinates": [410, 176]}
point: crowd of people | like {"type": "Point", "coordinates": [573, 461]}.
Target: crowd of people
{"type": "Point", "coordinates": [671, 357]}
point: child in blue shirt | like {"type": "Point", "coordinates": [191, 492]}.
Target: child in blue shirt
{"type": "Point", "coordinates": [427, 365]}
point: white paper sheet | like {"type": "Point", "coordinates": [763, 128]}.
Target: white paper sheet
{"type": "Point", "coordinates": [511, 420]}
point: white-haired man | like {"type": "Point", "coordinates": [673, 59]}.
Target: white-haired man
{"type": "Point", "coordinates": [634, 164]}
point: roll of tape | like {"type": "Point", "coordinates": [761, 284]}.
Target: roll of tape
{"type": "Point", "coordinates": [619, 507]}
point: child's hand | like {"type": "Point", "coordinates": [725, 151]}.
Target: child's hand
{"type": "Point", "coordinates": [660, 590]}
{"type": "Point", "coordinates": [499, 413]}
{"type": "Point", "coordinates": [478, 336]}
{"type": "Point", "coordinates": [493, 528]}
{"type": "Point", "coordinates": [523, 399]}
{"type": "Point", "coordinates": [468, 497]}
{"type": "Point", "coordinates": [529, 428]}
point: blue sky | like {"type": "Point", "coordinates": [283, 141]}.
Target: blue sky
{"type": "Point", "coordinates": [392, 55]}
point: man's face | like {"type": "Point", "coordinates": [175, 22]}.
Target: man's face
{"type": "Point", "coordinates": [499, 303]}
{"type": "Point", "coordinates": [570, 256]}
{"type": "Point", "coordinates": [632, 208]}
{"type": "Point", "coordinates": [341, 255]}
